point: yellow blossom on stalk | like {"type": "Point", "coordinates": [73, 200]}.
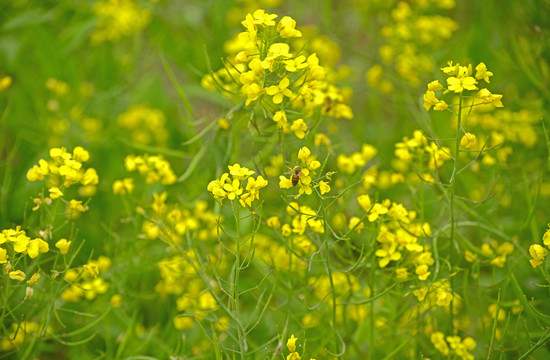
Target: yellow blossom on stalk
{"type": "Point", "coordinates": [55, 193]}
{"type": "Point", "coordinates": [286, 28]}
{"type": "Point", "coordinates": [37, 246]}
{"type": "Point", "coordinates": [273, 222]}
{"type": "Point", "coordinates": [299, 127]}
{"type": "Point", "coordinates": [291, 343]}
{"type": "Point", "coordinates": [323, 187]}
{"type": "Point", "coordinates": [483, 73]}
{"type": "Point", "coordinates": [75, 208]}
{"type": "Point", "coordinates": [296, 64]}
{"type": "Point", "coordinates": [34, 278]}
{"type": "Point", "coordinates": [280, 119]}
{"type": "Point", "coordinates": [538, 253]}
{"type": "Point", "coordinates": [422, 272]}
{"type": "Point", "coordinates": [487, 98]}
{"type": "Point", "coordinates": [462, 81]}
{"type": "Point", "coordinates": [277, 91]}
{"type": "Point", "coordinates": [63, 246]}
{"type": "Point", "coordinates": [231, 188]}
{"type": "Point", "coordinates": [430, 99]}
{"type": "Point", "coordinates": [260, 17]}
{"type": "Point", "coordinates": [17, 275]}
{"type": "Point", "coordinates": [365, 202]}
{"type": "Point", "coordinates": [468, 140]}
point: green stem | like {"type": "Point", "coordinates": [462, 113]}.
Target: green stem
{"type": "Point", "coordinates": [451, 201]}
{"type": "Point", "coordinates": [237, 266]}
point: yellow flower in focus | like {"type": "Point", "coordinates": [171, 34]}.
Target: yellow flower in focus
{"type": "Point", "coordinates": [278, 91]}
{"type": "Point", "coordinates": [457, 84]}
{"type": "Point", "coordinates": [323, 187]}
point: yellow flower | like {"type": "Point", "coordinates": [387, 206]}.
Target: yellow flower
{"type": "Point", "coordinates": [430, 100]}
{"type": "Point", "coordinates": [277, 91]}
{"type": "Point", "coordinates": [263, 18]}
{"type": "Point", "coordinates": [299, 127]}
{"type": "Point", "coordinates": [285, 183]}
{"type": "Point", "coordinates": [483, 73]}
{"type": "Point", "coordinates": [303, 154]}
{"type": "Point", "coordinates": [291, 343]}
{"type": "Point", "coordinates": [286, 28]}
{"type": "Point", "coordinates": [488, 98]}
{"type": "Point", "coordinates": [17, 275]}
{"type": "Point", "coordinates": [55, 193]}
{"type": "Point", "coordinates": [324, 187]}
{"type": "Point", "coordinates": [468, 140]}
{"type": "Point", "coordinates": [422, 272]}
{"type": "Point", "coordinates": [459, 84]}
{"type": "Point", "coordinates": [37, 246]}
{"type": "Point", "coordinates": [123, 187]}
{"type": "Point", "coordinates": [365, 202]}
{"type": "Point", "coordinates": [63, 246]}
{"type": "Point", "coordinates": [3, 256]}
{"type": "Point", "coordinates": [538, 253]}
{"type": "Point", "coordinates": [280, 119]}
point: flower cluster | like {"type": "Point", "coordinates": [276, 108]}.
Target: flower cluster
{"type": "Point", "coordinates": [171, 222]}
{"type": "Point", "coordinates": [301, 175]}
{"type": "Point", "coordinates": [453, 346]}
{"type": "Point", "coordinates": [18, 240]}
{"type": "Point", "coordinates": [419, 153]}
{"type": "Point", "coordinates": [85, 281]}
{"type": "Point", "coordinates": [436, 295]}
{"type": "Point", "coordinates": [153, 167]}
{"type": "Point", "coordinates": [144, 124]}
{"type": "Point", "coordinates": [412, 30]}
{"type": "Point", "coordinates": [291, 345]}
{"type": "Point", "coordinates": [60, 172]}
{"type": "Point", "coordinates": [118, 18]}
{"type": "Point", "coordinates": [398, 234]}
{"type": "Point", "coordinates": [537, 252]}
{"type": "Point", "coordinates": [229, 185]}
{"type": "Point", "coordinates": [460, 78]}
{"type": "Point", "coordinates": [357, 160]}
{"type": "Point", "coordinates": [273, 74]}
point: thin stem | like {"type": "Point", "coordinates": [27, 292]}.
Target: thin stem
{"type": "Point", "coordinates": [237, 267]}
{"type": "Point", "coordinates": [451, 204]}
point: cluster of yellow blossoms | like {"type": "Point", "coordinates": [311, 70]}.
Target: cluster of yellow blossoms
{"type": "Point", "coordinates": [118, 18]}
{"type": "Point", "coordinates": [453, 346]}
{"type": "Point", "coordinates": [420, 154]}
{"type": "Point", "coordinates": [291, 345]}
{"type": "Point", "coordinates": [171, 222]}
{"type": "Point", "coordinates": [301, 175]}
{"type": "Point", "coordinates": [269, 72]}
{"type": "Point", "coordinates": [398, 234]}
{"type": "Point", "coordinates": [357, 160]}
{"type": "Point", "coordinates": [153, 167]}
{"type": "Point", "coordinates": [229, 186]}
{"type": "Point", "coordinates": [16, 337]}
{"type": "Point", "coordinates": [63, 170]}
{"type": "Point", "coordinates": [459, 78]}
{"type": "Point", "coordinates": [85, 281]}
{"type": "Point", "coordinates": [144, 124]}
{"type": "Point", "coordinates": [537, 252]}
{"type": "Point", "coordinates": [412, 31]}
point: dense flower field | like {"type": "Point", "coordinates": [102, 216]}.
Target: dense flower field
{"type": "Point", "coordinates": [270, 179]}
